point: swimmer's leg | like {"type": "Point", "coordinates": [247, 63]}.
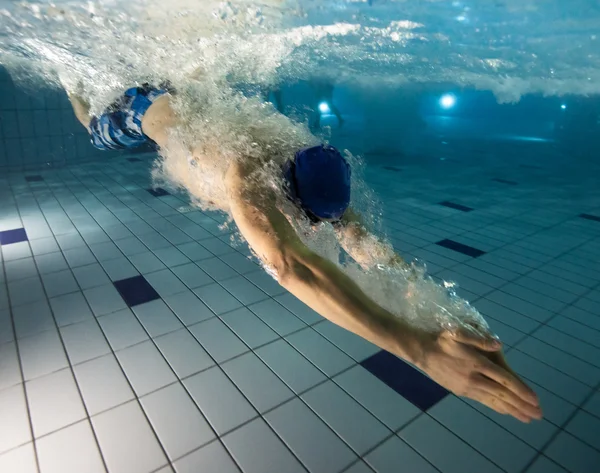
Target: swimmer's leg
{"type": "Point", "coordinates": [337, 114]}
{"type": "Point", "coordinates": [81, 109]}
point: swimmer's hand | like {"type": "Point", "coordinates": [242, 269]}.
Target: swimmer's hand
{"type": "Point", "coordinates": [475, 367]}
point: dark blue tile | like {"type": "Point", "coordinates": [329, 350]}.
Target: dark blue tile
{"type": "Point", "coordinates": [134, 160]}
{"type": "Point", "coordinates": [452, 205]}
{"type": "Point", "coordinates": [158, 192]}
{"type": "Point", "coordinates": [505, 181]}
{"type": "Point", "coordinates": [13, 236]}
{"type": "Point", "coordinates": [407, 381]}
{"type": "Point", "coordinates": [590, 217]}
{"type": "Point", "coordinates": [34, 178]}
{"type": "Point", "coordinates": [136, 290]}
{"type": "Point", "coordinates": [392, 168]}
{"type": "Point", "coordinates": [464, 249]}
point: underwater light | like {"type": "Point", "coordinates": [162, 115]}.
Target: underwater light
{"type": "Point", "coordinates": [448, 101]}
{"type": "Point", "coordinates": [563, 106]}
{"type": "Point", "coordinates": [324, 107]}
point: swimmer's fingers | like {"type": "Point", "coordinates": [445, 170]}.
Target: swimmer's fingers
{"type": "Point", "coordinates": [511, 388]}
{"type": "Point", "coordinates": [468, 336]}
{"type": "Point", "coordinates": [504, 401]}
{"type": "Point", "coordinates": [498, 405]}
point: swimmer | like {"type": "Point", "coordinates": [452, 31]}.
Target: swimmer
{"type": "Point", "coordinates": [324, 92]}
{"type": "Point", "coordinates": [318, 183]}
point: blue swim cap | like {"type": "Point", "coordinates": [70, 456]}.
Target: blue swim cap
{"type": "Point", "coordinates": [319, 180]}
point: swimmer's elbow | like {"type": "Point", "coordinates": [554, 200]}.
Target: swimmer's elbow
{"type": "Point", "coordinates": [293, 268]}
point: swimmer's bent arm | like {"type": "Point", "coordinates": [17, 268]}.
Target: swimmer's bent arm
{"type": "Point", "coordinates": [455, 360]}
{"type": "Point", "coordinates": [364, 247]}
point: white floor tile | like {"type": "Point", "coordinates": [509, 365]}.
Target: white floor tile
{"type": "Point", "coordinates": [10, 371]}
{"type": "Point", "coordinates": [443, 449]}
{"type": "Point", "coordinates": [70, 308]}
{"type": "Point", "coordinates": [146, 262]}
{"type": "Point", "coordinates": [184, 353]}
{"type": "Point", "coordinates": [16, 251]}
{"type": "Point", "coordinates": [253, 331]}
{"type": "Point", "coordinates": [277, 317]}
{"type": "Point", "coordinates": [543, 465]}
{"type": "Point", "coordinates": [297, 372]}
{"type": "Point", "coordinates": [127, 441]}
{"type": "Point", "coordinates": [192, 276]}
{"type": "Point", "coordinates": [102, 252]}
{"type": "Point", "coordinates": [352, 422]}
{"type": "Point", "coordinates": [394, 454]}
{"type": "Point", "coordinates": [13, 418]}
{"type": "Point", "coordinates": [157, 318]}
{"type": "Point", "coordinates": [585, 427]}
{"type": "Point", "coordinates": [19, 460]}
{"type": "Point", "coordinates": [70, 450]}
{"type": "Point", "coordinates": [188, 308]}
{"type": "Point", "coordinates": [219, 400]}
{"type": "Point", "coordinates": [54, 402]}
{"type": "Point", "coordinates": [91, 275]}
{"type": "Point", "coordinates": [218, 340]}
{"type": "Point", "coordinates": [243, 290]}
{"type": "Point", "coordinates": [20, 269]}
{"type": "Point", "coordinates": [309, 438]}
{"type": "Point", "coordinates": [568, 364]}
{"type": "Point", "coordinates": [593, 405]}
{"type": "Point", "coordinates": [80, 257]}
{"type": "Point", "coordinates": [177, 421]}
{"type": "Point", "coordinates": [42, 354]}
{"type": "Point", "coordinates": [299, 308]}
{"type": "Point", "coordinates": [171, 256]}
{"type": "Point", "coordinates": [102, 383]}
{"type": "Point", "coordinates": [504, 449]}
{"type": "Point", "coordinates": [323, 354]}
{"type": "Point", "coordinates": [84, 341]}
{"type": "Point", "coordinates": [211, 458]}
{"type": "Point", "coordinates": [258, 450]}
{"type": "Point", "coordinates": [257, 382]}
{"type": "Point", "coordinates": [194, 251]}
{"type": "Point", "coordinates": [265, 282]}
{"type": "Point", "coordinates": [577, 330]}
{"type": "Point", "coordinates": [42, 246]}
{"type": "Point", "coordinates": [240, 263]}
{"type": "Point", "coordinates": [165, 283]}
{"type": "Point", "coordinates": [104, 300]}
{"type": "Point", "coordinates": [572, 454]}
{"type": "Point", "coordinates": [217, 298]}
{"type": "Point", "coordinates": [122, 329]}
{"type": "Point", "coordinates": [26, 291]}
{"type": "Point", "coordinates": [569, 344]}
{"type": "Point", "coordinates": [216, 269]}
{"type": "Point", "coordinates": [553, 380]}
{"type": "Point", "coordinates": [145, 368]}
{"type": "Point", "coordinates": [352, 344]}
{"type": "Point", "coordinates": [378, 398]}
{"type": "Point", "coordinates": [6, 328]}
{"type": "Point", "coordinates": [119, 268]}
{"type": "Point", "coordinates": [131, 246]}
{"type": "Point", "coordinates": [33, 318]}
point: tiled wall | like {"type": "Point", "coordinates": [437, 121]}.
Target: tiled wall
{"type": "Point", "coordinates": [38, 128]}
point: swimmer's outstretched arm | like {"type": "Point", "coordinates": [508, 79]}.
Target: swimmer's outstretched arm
{"type": "Point", "coordinates": [459, 361]}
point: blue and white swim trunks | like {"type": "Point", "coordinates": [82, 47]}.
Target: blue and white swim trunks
{"type": "Point", "coordinates": [120, 126]}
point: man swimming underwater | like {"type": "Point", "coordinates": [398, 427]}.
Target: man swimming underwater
{"type": "Point", "coordinates": [317, 180]}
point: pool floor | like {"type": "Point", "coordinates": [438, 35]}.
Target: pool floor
{"type": "Point", "coordinates": [135, 336]}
